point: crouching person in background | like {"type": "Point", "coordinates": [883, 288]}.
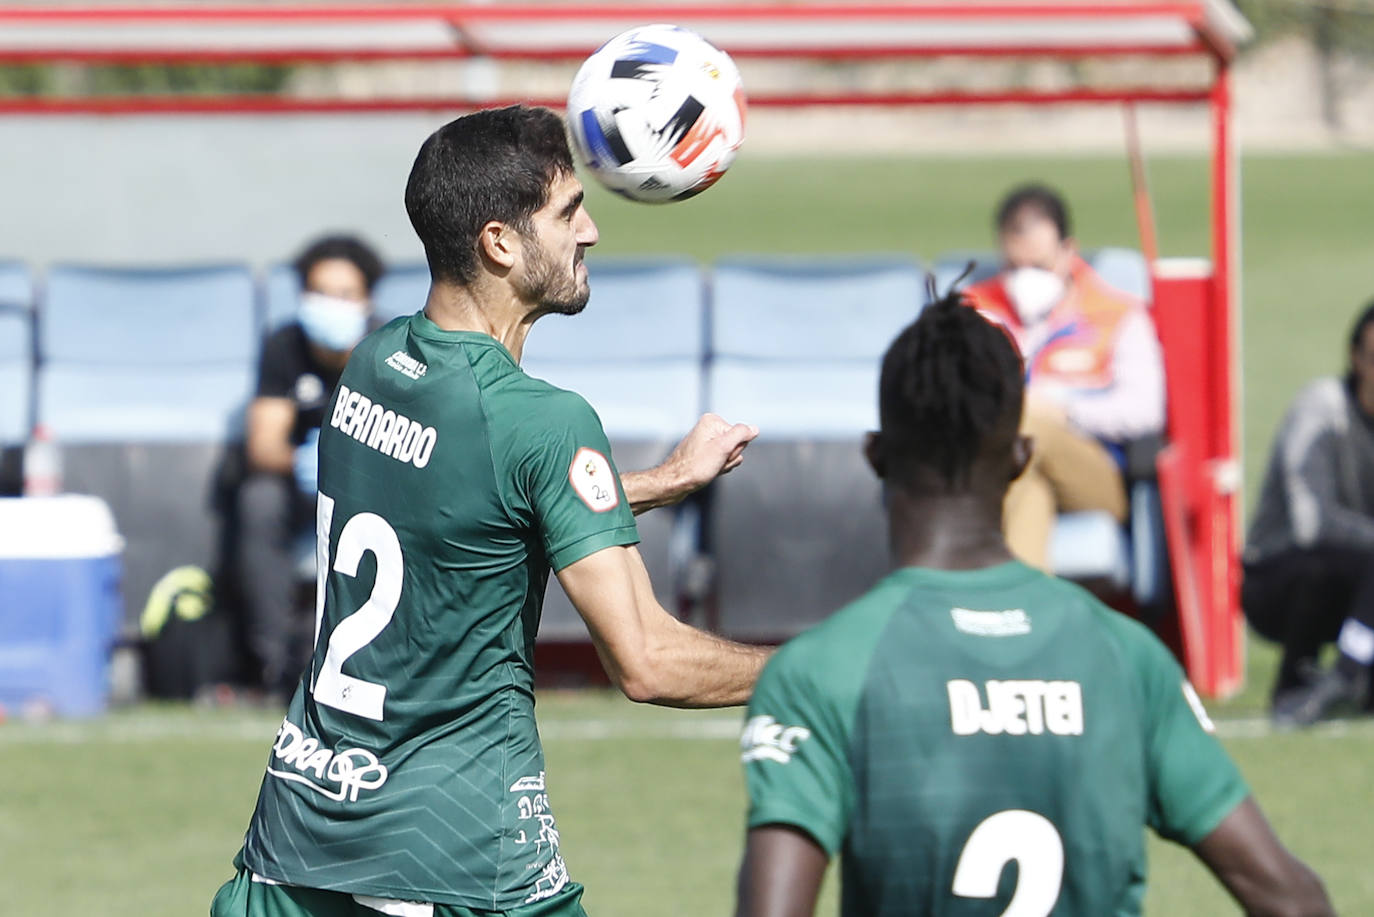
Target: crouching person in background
{"type": "Point", "coordinates": [1309, 558]}
{"type": "Point", "coordinates": [300, 366]}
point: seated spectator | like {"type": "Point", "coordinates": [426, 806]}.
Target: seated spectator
{"type": "Point", "coordinates": [1309, 558]}
{"type": "Point", "coordinates": [1094, 371]}
{"type": "Point", "coordinates": [300, 366]}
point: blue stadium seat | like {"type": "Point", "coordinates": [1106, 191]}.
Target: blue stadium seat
{"type": "Point", "coordinates": [402, 290]}
{"type": "Point", "coordinates": [149, 318]}
{"type": "Point", "coordinates": [100, 404]}
{"type": "Point", "coordinates": [1123, 268]}
{"type": "Point", "coordinates": [16, 376]}
{"type": "Point", "coordinates": [636, 355]}
{"type": "Point", "coordinates": [143, 377]}
{"type": "Point", "coordinates": [807, 309]}
{"type": "Point", "coordinates": [16, 285]}
{"type": "Point", "coordinates": [798, 530]}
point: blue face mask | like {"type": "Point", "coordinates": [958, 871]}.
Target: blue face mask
{"type": "Point", "coordinates": [332, 323]}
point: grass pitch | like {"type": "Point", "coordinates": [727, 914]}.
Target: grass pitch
{"type": "Point", "coordinates": [138, 814]}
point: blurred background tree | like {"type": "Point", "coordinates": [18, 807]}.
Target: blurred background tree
{"type": "Point", "coordinates": [1336, 29]}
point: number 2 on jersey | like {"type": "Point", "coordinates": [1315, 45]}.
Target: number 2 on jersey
{"type": "Point", "coordinates": [363, 533]}
{"type": "Point", "coordinates": [1014, 834]}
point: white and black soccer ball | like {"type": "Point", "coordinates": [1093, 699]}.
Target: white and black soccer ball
{"type": "Point", "coordinates": [657, 113]}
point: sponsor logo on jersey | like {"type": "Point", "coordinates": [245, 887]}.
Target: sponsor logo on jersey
{"type": "Point", "coordinates": [407, 365]}
{"type": "Point", "coordinates": [591, 476]}
{"type": "Point", "coordinates": [1199, 711]}
{"type": "Point", "coordinates": [339, 773]}
{"type": "Point", "coordinates": [1016, 708]}
{"type": "Point", "coordinates": [1013, 622]}
{"type": "Point", "coordinates": [309, 389]}
{"type": "Point", "coordinates": [378, 427]}
{"type": "Point", "coordinates": [541, 834]}
{"type": "Point", "coordinates": [765, 739]}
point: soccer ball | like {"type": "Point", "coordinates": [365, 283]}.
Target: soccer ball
{"type": "Point", "coordinates": [657, 113]}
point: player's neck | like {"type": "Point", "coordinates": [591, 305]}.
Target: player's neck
{"type": "Point", "coordinates": [946, 531]}
{"type": "Point", "coordinates": [460, 308]}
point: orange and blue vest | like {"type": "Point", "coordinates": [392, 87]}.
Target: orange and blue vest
{"type": "Point", "coordinates": [1075, 344]}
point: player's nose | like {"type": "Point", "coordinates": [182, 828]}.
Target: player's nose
{"type": "Point", "coordinates": [586, 232]}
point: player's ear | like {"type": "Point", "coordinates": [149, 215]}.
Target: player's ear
{"type": "Point", "coordinates": [498, 244]}
{"type": "Point", "coordinates": [873, 451]}
{"type": "Point", "coordinates": [1021, 451]}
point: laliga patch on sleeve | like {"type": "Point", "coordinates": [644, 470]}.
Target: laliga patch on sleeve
{"type": "Point", "coordinates": [592, 478]}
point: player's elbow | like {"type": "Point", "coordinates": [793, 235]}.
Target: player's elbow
{"type": "Point", "coordinates": [642, 679]}
{"type": "Point", "coordinates": [1305, 896]}
{"type": "Point", "coordinates": [1297, 892]}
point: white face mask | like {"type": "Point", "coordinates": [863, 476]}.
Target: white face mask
{"type": "Point", "coordinates": [1034, 291]}
{"type": "Point", "coordinates": [332, 323]}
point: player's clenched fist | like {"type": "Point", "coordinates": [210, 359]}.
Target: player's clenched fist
{"type": "Point", "coordinates": [713, 447]}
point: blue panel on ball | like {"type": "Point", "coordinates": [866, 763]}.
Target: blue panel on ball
{"type": "Point", "coordinates": [604, 145]}
{"type": "Point", "coordinates": [649, 52]}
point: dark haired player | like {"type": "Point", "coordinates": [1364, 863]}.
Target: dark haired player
{"type": "Point", "coordinates": [408, 777]}
{"type": "Point", "coordinates": [970, 711]}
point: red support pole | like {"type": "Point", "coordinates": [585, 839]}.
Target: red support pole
{"type": "Point", "coordinates": [1223, 472]}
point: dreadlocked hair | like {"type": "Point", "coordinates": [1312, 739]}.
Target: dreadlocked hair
{"type": "Point", "coordinates": [950, 380]}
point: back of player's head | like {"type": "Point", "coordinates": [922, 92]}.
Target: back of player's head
{"type": "Point", "coordinates": [1363, 322]}
{"type": "Point", "coordinates": [341, 248]}
{"type": "Point", "coordinates": [1042, 200]}
{"type": "Point", "coordinates": [949, 397]}
{"type": "Point", "coordinates": [497, 165]}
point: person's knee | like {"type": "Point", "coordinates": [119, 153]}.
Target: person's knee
{"type": "Point", "coordinates": [265, 503]}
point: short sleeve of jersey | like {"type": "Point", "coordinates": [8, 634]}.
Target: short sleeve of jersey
{"type": "Point", "coordinates": [572, 486]}
{"type": "Point", "coordinates": [795, 753]}
{"type": "Point", "coordinates": [1193, 782]}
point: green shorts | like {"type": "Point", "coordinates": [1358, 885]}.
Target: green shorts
{"type": "Point", "coordinates": [241, 896]}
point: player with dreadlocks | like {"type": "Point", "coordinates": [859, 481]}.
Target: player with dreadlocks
{"type": "Point", "coordinates": [969, 710]}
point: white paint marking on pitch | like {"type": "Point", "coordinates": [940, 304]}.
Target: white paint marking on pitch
{"type": "Point", "coordinates": [155, 727]}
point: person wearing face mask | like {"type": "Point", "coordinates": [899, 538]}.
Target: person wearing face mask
{"type": "Point", "coordinates": [1094, 369]}
{"type": "Point", "coordinates": [300, 365]}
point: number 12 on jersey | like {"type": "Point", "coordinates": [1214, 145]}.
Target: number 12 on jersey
{"type": "Point", "coordinates": [363, 533]}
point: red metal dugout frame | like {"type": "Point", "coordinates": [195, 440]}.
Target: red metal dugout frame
{"type": "Point", "coordinates": [1195, 303]}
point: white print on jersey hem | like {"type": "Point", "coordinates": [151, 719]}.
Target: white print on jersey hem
{"type": "Point", "coordinates": [533, 806]}
{"type": "Point", "coordinates": [349, 769]}
{"type": "Point", "coordinates": [765, 739]}
{"type": "Point", "coordinates": [1014, 622]}
{"type": "Point", "coordinates": [590, 475]}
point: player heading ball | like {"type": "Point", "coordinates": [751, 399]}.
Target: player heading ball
{"type": "Point", "coordinates": [408, 777]}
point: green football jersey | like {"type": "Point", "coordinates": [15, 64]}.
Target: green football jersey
{"type": "Point", "coordinates": [948, 723]}
{"type": "Point", "coordinates": [409, 765]}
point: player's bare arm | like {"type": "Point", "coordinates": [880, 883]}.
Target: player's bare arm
{"type": "Point", "coordinates": [650, 655]}
{"type": "Point", "coordinates": [268, 442]}
{"type": "Point", "coordinates": [781, 873]}
{"type": "Point", "coordinates": [1258, 870]}
{"type": "Point", "coordinates": [713, 447]}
